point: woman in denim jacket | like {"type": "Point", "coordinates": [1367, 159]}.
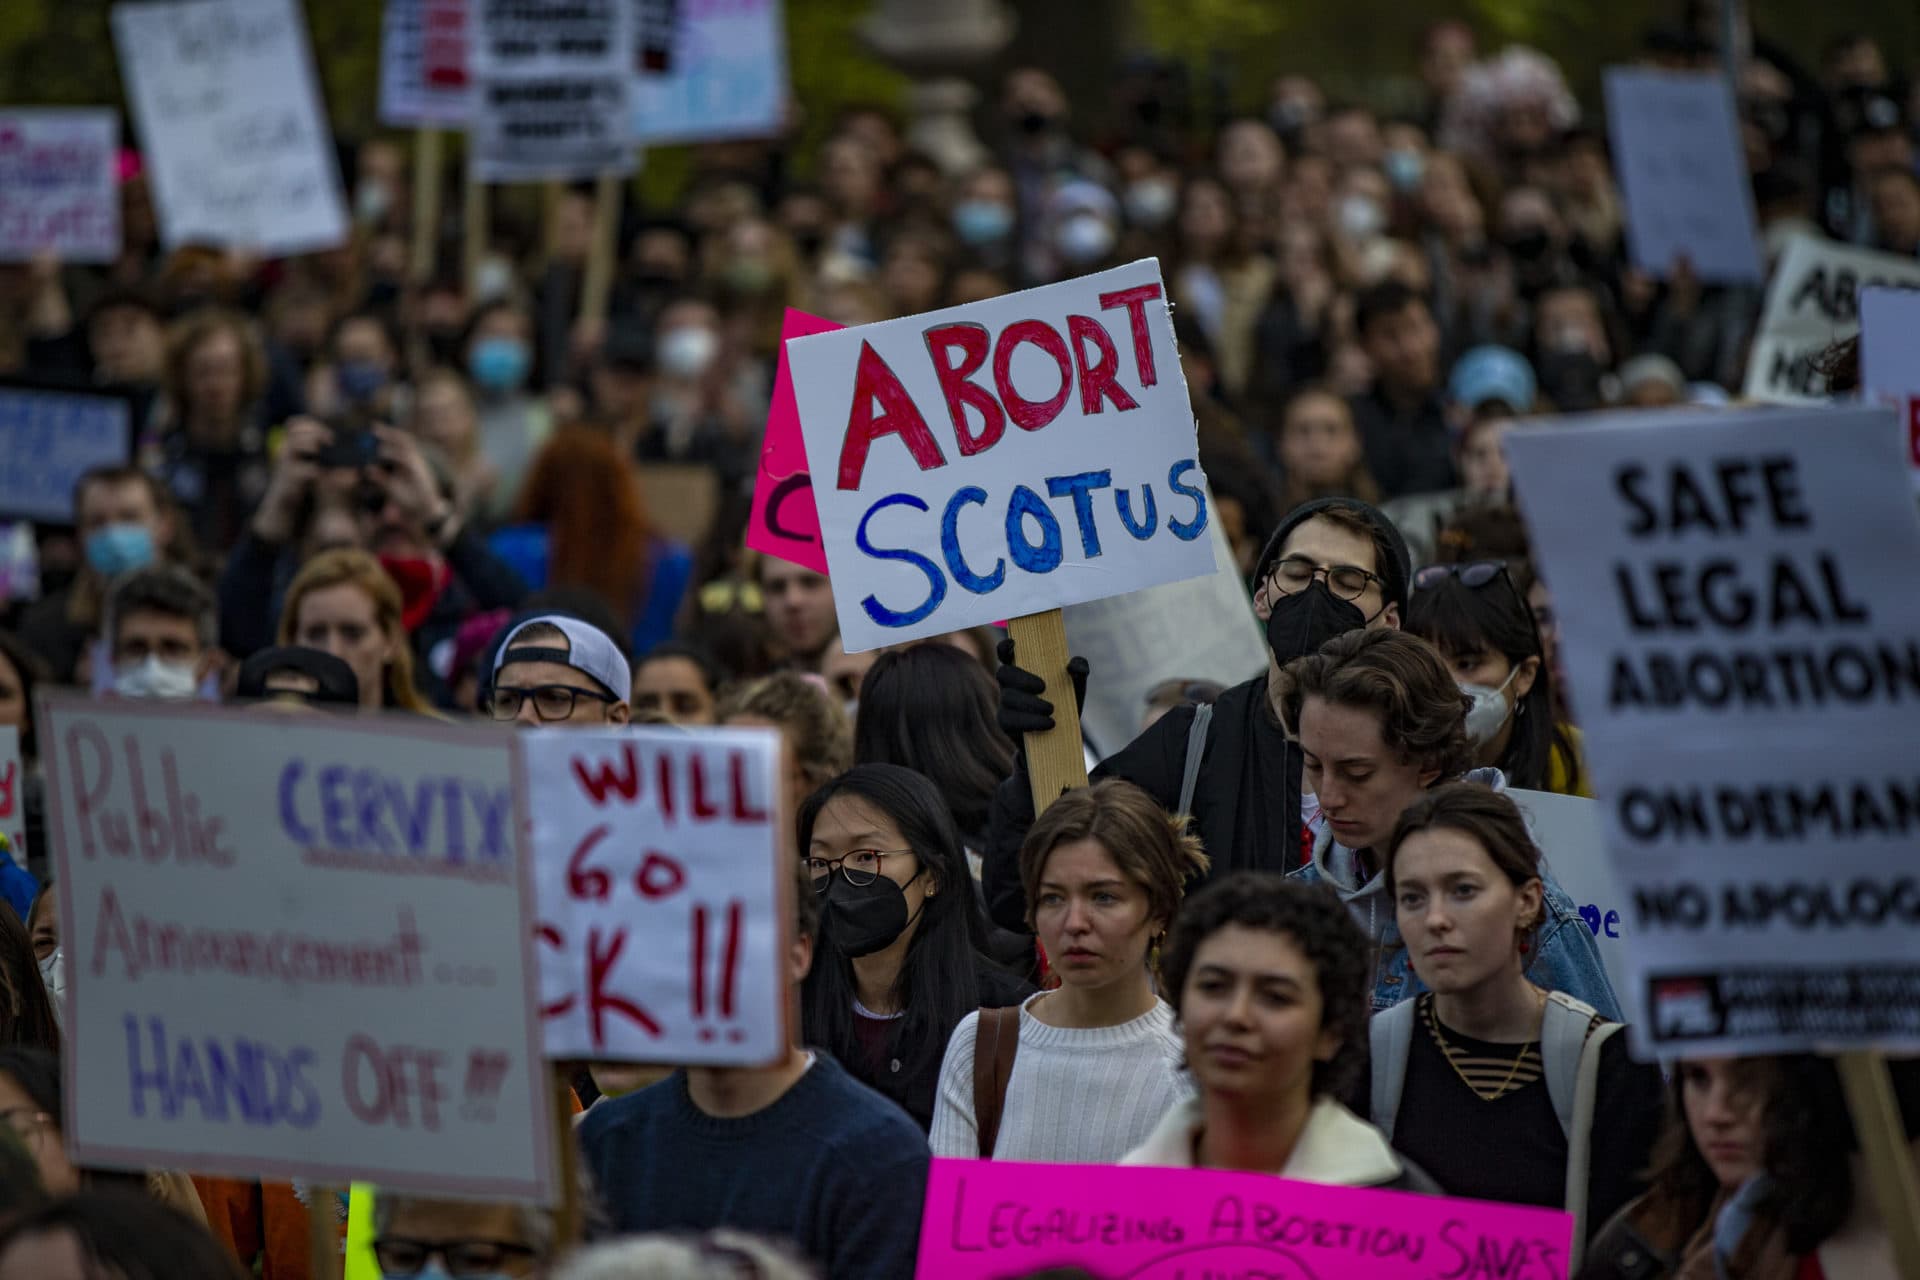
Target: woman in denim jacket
{"type": "Point", "coordinates": [1379, 720]}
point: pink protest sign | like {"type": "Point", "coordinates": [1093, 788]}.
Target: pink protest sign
{"type": "Point", "coordinates": [785, 522]}
{"type": "Point", "coordinates": [996, 1218]}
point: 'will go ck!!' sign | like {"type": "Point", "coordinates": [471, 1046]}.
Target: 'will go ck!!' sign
{"type": "Point", "coordinates": [1002, 458]}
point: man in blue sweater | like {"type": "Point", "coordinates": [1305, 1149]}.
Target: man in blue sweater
{"type": "Point", "coordinates": [799, 1150]}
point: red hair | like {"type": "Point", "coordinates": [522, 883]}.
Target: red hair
{"type": "Point", "coordinates": [588, 496]}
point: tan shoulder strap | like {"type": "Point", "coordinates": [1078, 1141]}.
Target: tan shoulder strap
{"type": "Point", "coordinates": [995, 1041]}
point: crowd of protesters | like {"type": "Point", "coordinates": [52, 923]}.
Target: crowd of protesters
{"type": "Point", "coordinates": [1295, 926]}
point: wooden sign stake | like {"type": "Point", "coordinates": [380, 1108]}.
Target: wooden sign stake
{"type": "Point", "coordinates": [1890, 1172]}
{"type": "Point", "coordinates": [597, 285]}
{"type": "Point", "coordinates": [1056, 761]}
{"type": "Point", "coordinates": [323, 1241]}
{"type": "Point", "coordinates": [474, 225]}
{"type": "Point", "coordinates": [566, 1219]}
{"type": "Point", "coordinates": [427, 148]}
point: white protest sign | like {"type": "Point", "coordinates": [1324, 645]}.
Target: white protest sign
{"type": "Point", "coordinates": [1812, 303]}
{"type": "Point", "coordinates": [13, 794]}
{"type": "Point", "coordinates": [423, 64]}
{"type": "Point", "coordinates": [727, 77]}
{"type": "Point", "coordinates": [551, 83]}
{"type": "Point", "coordinates": [49, 439]}
{"type": "Point", "coordinates": [230, 121]}
{"type": "Point", "coordinates": [1002, 458]}
{"type": "Point", "coordinates": [1567, 831]}
{"type": "Point", "coordinates": [1683, 173]}
{"type": "Point", "coordinates": [1136, 641]}
{"type": "Point", "coordinates": [296, 948]}
{"type": "Point", "coordinates": [1743, 642]}
{"type": "Point", "coordinates": [59, 188]}
{"type": "Point", "coordinates": [1890, 359]}
{"type": "Point", "coordinates": [664, 892]}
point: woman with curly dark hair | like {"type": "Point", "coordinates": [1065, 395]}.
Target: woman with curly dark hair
{"type": "Point", "coordinates": [1268, 978]}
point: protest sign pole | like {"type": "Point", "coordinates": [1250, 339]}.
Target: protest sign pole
{"type": "Point", "coordinates": [566, 1219]}
{"type": "Point", "coordinates": [473, 231]}
{"type": "Point", "coordinates": [1055, 760]}
{"type": "Point", "coordinates": [427, 151]}
{"type": "Point", "coordinates": [323, 1244]}
{"type": "Point", "coordinates": [1890, 1171]}
{"type": "Point", "coordinates": [598, 281]}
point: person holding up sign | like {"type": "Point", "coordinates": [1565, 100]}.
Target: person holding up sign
{"type": "Point", "coordinates": [1105, 868]}
{"type": "Point", "coordinates": [1333, 565]}
{"type": "Point", "coordinates": [1269, 980]}
{"type": "Point", "coordinates": [1490, 1082]}
{"type": "Point", "coordinates": [799, 1150]}
{"type": "Point", "coordinates": [1380, 720]}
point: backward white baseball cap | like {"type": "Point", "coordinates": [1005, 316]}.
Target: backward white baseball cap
{"type": "Point", "coordinates": [590, 651]}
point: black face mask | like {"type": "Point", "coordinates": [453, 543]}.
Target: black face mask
{"type": "Point", "coordinates": [1530, 245]}
{"type": "Point", "coordinates": [1034, 123]}
{"type": "Point", "coordinates": [861, 919]}
{"type": "Point", "coordinates": [1302, 622]}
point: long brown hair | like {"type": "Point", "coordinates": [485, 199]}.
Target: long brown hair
{"type": "Point", "coordinates": [350, 566]}
{"type": "Point", "coordinates": [587, 494]}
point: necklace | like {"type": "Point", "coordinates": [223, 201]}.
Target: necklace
{"type": "Point", "coordinates": [1453, 1053]}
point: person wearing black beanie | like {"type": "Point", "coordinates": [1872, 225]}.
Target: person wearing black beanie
{"type": "Point", "coordinates": [1332, 565]}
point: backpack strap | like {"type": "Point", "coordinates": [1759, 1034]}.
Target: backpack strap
{"type": "Point", "coordinates": [1196, 749]}
{"type": "Point", "coordinates": [995, 1041]}
{"type": "Point", "coordinates": [1390, 1039]}
{"type": "Point", "coordinates": [1571, 1038]}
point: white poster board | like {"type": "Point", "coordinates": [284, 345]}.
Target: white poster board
{"type": "Point", "coordinates": [1812, 303]}
{"type": "Point", "coordinates": [1135, 641]}
{"type": "Point", "coordinates": [59, 188]}
{"type": "Point", "coordinates": [1683, 173]}
{"type": "Point", "coordinates": [664, 891]}
{"type": "Point", "coordinates": [13, 794]}
{"type": "Point", "coordinates": [1567, 831]}
{"type": "Point", "coordinates": [49, 439]}
{"type": "Point", "coordinates": [230, 121]}
{"type": "Point", "coordinates": [1002, 458]}
{"type": "Point", "coordinates": [423, 64]}
{"type": "Point", "coordinates": [552, 83]}
{"type": "Point", "coordinates": [1743, 642]}
{"type": "Point", "coordinates": [298, 947]}
{"type": "Point", "coordinates": [727, 77]}
{"type": "Point", "coordinates": [1890, 360]}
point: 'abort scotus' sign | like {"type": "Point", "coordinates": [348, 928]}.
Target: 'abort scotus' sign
{"type": "Point", "coordinates": [1002, 458]}
{"type": "Point", "coordinates": [1743, 642]}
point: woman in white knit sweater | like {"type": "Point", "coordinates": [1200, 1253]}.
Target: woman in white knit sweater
{"type": "Point", "coordinates": [1097, 1061]}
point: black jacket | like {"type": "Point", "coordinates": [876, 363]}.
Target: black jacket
{"type": "Point", "coordinates": [1246, 802]}
{"type": "Point", "coordinates": [912, 1081]}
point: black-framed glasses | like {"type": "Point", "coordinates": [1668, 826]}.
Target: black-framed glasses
{"type": "Point", "coordinates": [550, 701]}
{"type": "Point", "coordinates": [861, 867]}
{"type": "Point", "coordinates": [1346, 581]}
{"type": "Point", "coordinates": [399, 1256]}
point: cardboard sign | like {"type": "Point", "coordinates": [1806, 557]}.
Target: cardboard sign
{"type": "Point", "coordinates": [1002, 458]}
{"type": "Point", "coordinates": [785, 522]}
{"type": "Point", "coordinates": [13, 794]}
{"type": "Point", "coordinates": [657, 31]}
{"type": "Point", "coordinates": [1136, 641]}
{"type": "Point", "coordinates": [231, 125]}
{"type": "Point", "coordinates": [49, 439]}
{"type": "Point", "coordinates": [1683, 174]}
{"type": "Point", "coordinates": [552, 89]}
{"type": "Point", "coordinates": [1812, 303]}
{"type": "Point", "coordinates": [664, 890]}
{"type": "Point", "coordinates": [1890, 360]}
{"type": "Point", "coordinates": [423, 64]}
{"type": "Point", "coordinates": [58, 183]}
{"type": "Point", "coordinates": [297, 947]}
{"type": "Point", "coordinates": [986, 1219]}
{"type": "Point", "coordinates": [728, 77]}
{"type": "Point", "coordinates": [1743, 641]}
{"type": "Point", "coordinates": [1567, 831]}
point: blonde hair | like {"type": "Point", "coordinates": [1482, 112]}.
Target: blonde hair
{"type": "Point", "coordinates": [351, 567]}
{"type": "Point", "coordinates": [816, 726]}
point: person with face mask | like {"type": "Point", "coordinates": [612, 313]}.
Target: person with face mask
{"type": "Point", "coordinates": [513, 421]}
{"type": "Point", "coordinates": [1380, 721]}
{"type": "Point", "coordinates": [900, 959]}
{"type": "Point", "coordinates": [158, 636]}
{"type": "Point", "coordinates": [1477, 616]}
{"type": "Point", "coordinates": [1332, 566]}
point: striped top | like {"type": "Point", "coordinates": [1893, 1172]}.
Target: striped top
{"type": "Point", "coordinates": [1490, 1077]}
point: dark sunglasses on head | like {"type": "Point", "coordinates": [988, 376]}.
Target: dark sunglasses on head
{"type": "Point", "coordinates": [1474, 574]}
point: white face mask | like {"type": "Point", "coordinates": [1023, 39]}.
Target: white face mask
{"type": "Point", "coordinates": [1490, 710]}
{"type": "Point", "coordinates": [1361, 218]}
{"type": "Point", "coordinates": [688, 353]}
{"type": "Point", "coordinates": [1084, 239]}
{"type": "Point", "coordinates": [155, 678]}
{"type": "Point", "coordinates": [53, 972]}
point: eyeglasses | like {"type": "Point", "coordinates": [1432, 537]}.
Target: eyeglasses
{"type": "Point", "coordinates": [550, 701]}
{"type": "Point", "coordinates": [398, 1256]}
{"type": "Point", "coordinates": [860, 867]}
{"type": "Point", "coordinates": [1346, 581]}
